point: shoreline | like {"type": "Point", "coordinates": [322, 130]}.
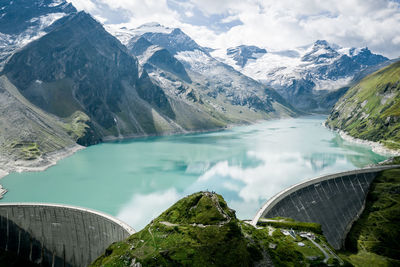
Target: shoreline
{"type": "Point", "coordinates": [37, 165]}
{"type": "Point", "coordinates": [51, 159]}
{"type": "Point", "coordinates": [376, 147]}
{"type": "Point", "coordinates": [40, 164]}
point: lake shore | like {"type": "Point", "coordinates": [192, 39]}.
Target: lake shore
{"type": "Point", "coordinates": [376, 146]}
{"type": "Point", "coordinates": [40, 164]}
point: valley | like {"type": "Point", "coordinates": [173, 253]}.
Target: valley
{"type": "Point", "coordinates": [246, 164]}
{"type": "Point", "coordinates": [103, 109]}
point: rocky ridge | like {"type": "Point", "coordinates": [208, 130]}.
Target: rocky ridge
{"type": "Point", "coordinates": [305, 76]}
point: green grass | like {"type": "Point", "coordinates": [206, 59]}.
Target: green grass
{"type": "Point", "coordinates": [374, 239]}
{"type": "Point", "coordinates": [27, 150]}
{"type": "Point", "coordinates": [289, 223]}
{"type": "Point", "coordinates": [173, 240]}
{"type": "Point", "coordinates": [201, 230]}
{"type": "Point", "coordinates": [75, 125]}
{"type": "Point", "coordinates": [371, 109]}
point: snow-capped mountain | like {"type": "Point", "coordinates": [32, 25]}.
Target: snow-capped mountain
{"type": "Point", "coordinates": [304, 74]}
{"type": "Point", "coordinates": [22, 21]}
{"type": "Point", "coordinates": [242, 53]}
{"type": "Point", "coordinates": [215, 80]}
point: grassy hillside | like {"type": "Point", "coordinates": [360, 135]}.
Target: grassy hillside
{"type": "Point", "coordinates": [374, 238]}
{"type": "Point", "coordinates": [370, 110]}
{"type": "Point", "coordinates": [200, 230]}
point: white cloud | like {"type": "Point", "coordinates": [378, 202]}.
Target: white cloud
{"type": "Point", "coordinates": [189, 14]}
{"type": "Point", "coordinates": [274, 24]}
{"type": "Point", "coordinates": [142, 208]}
{"type": "Point", "coordinates": [86, 5]}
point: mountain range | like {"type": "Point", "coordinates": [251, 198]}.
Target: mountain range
{"type": "Point", "coordinates": [305, 76]}
{"type": "Point", "coordinates": [67, 79]}
{"type": "Point", "coordinates": [65, 76]}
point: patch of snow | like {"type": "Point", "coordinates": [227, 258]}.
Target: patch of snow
{"type": "Point", "coordinates": [13, 42]}
{"type": "Point", "coordinates": [148, 53]}
{"type": "Point", "coordinates": [56, 3]}
{"type": "Point", "coordinates": [198, 60]}
{"type": "Point", "coordinates": [123, 34]}
{"type": "Point", "coordinates": [278, 68]}
{"type": "Point", "coordinates": [152, 27]}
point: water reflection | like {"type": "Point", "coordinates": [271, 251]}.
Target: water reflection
{"type": "Point", "coordinates": [138, 179]}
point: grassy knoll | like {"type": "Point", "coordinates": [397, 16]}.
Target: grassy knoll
{"type": "Point", "coordinates": [201, 230]}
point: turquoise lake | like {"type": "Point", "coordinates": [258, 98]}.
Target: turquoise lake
{"type": "Point", "coordinates": [136, 180]}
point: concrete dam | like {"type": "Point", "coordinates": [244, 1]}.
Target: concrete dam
{"type": "Point", "coordinates": [58, 235]}
{"type": "Point", "coordinates": [334, 201]}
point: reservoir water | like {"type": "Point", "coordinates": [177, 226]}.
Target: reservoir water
{"type": "Point", "coordinates": [136, 180]}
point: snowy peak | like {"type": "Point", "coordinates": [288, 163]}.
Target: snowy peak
{"type": "Point", "coordinates": [323, 43]}
{"type": "Point", "coordinates": [22, 21]}
{"type": "Point", "coordinates": [320, 52]}
{"type": "Point", "coordinates": [303, 74]}
{"type": "Point", "coordinates": [17, 16]}
{"type": "Point", "coordinates": [175, 41]}
{"type": "Point", "coordinates": [365, 57]}
{"type": "Point", "coordinates": [242, 53]}
{"type": "Point", "coordinates": [153, 56]}
{"type": "Point", "coordinates": [138, 45]}
{"type": "Point", "coordinates": [152, 27]}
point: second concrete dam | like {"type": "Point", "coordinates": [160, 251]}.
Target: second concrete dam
{"type": "Point", "coordinates": [334, 201]}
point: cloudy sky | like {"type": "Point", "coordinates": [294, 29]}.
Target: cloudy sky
{"type": "Point", "coordinates": [272, 24]}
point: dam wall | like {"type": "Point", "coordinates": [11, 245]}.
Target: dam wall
{"type": "Point", "coordinates": [58, 235]}
{"type": "Point", "coordinates": [334, 201]}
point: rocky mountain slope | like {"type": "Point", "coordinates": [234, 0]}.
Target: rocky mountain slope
{"type": "Point", "coordinates": [370, 110]}
{"type": "Point", "coordinates": [201, 230]}
{"type": "Point", "coordinates": [219, 85]}
{"type": "Point", "coordinates": [79, 66]}
{"type": "Point", "coordinates": [22, 21]}
{"type": "Point", "coordinates": [28, 135]}
{"type": "Point", "coordinates": [304, 76]}
{"type": "Point", "coordinates": [64, 64]}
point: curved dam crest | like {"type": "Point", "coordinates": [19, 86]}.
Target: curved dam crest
{"type": "Point", "coordinates": [58, 235]}
{"type": "Point", "coordinates": [335, 201]}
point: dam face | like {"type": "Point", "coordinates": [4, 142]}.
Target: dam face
{"type": "Point", "coordinates": [58, 235]}
{"type": "Point", "coordinates": [334, 201]}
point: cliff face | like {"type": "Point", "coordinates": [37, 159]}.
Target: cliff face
{"type": "Point", "coordinates": [67, 66]}
{"type": "Point", "coordinates": [370, 110]}
{"type": "Point", "coordinates": [165, 51]}
{"type": "Point", "coordinates": [79, 66]}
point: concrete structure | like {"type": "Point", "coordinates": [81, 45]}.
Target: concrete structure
{"type": "Point", "coordinates": [58, 235]}
{"type": "Point", "coordinates": [334, 201]}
